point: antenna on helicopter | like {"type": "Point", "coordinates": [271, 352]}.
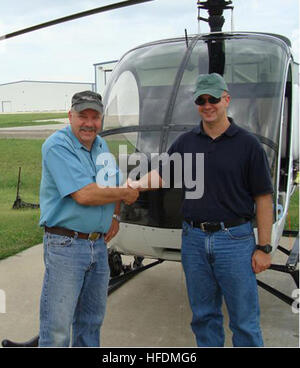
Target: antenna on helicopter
{"type": "Point", "coordinates": [215, 10]}
{"type": "Point", "coordinates": [186, 38]}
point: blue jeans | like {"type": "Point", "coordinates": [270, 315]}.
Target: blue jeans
{"type": "Point", "coordinates": [74, 291]}
{"type": "Point", "coordinates": [218, 265]}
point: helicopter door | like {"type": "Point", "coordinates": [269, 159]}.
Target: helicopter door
{"type": "Point", "coordinates": [285, 150]}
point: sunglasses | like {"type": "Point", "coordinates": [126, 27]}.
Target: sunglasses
{"type": "Point", "coordinates": [211, 99]}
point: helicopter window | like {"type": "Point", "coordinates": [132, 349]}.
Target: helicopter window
{"type": "Point", "coordinates": [149, 95]}
{"type": "Point", "coordinates": [126, 140]}
{"type": "Point", "coordinates": [255, 71]}
{"type": "Point", "coordinates": [185, 111]}
{"type": "Point", "coordinates": [157, 65]}
{"type": "Point", "coordinates": [148, 73]}
{"type": "Point", "coordinates": [132, 142]}
{"type": "Point", "coordinates": [123, 104]}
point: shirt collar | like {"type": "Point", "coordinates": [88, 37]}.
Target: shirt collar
{"type": "Point", "coordinates": [230, 131]}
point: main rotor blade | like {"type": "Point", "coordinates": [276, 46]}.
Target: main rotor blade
{"type": "Point", "coordinates": [72, 17]}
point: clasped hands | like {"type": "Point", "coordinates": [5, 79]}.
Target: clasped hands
{"type": "Point", "coordinates": [132, 191]}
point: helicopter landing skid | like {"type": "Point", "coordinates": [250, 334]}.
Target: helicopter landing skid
{"type": "Point", "coordinates": [290, 268]}
{"type": "Point", "coordinates": [114, 283]}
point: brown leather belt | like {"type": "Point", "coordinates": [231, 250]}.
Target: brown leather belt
{"type": "Point", "coordinates": [73, 234]}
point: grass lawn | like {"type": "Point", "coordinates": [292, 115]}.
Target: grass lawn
{"type": "Point", "coordinates": [19, 228]}
{"type": "Point", "coordinates": [292, 220]}
{"type": "Point", "coordinates": [15, 120]}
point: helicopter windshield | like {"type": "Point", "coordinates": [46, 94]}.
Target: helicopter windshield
{"type": "Point", "coordinates": [150, 78]}
{"type": "Point", "coordinates": [139, 92]}
{"type": "Point", "coordinates": [149, 98]}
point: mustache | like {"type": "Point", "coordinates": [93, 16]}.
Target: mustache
{"type": "Point", "coordinates": [87, 129]}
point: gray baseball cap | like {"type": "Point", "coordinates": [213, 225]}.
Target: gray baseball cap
{"type": "Point", "coordinates": [210, 84]}
{"type": "Point", "coordinates": [87, 100]}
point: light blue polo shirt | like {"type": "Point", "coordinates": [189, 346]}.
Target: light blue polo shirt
{"type": "Point", "coordinates": [68, 166]}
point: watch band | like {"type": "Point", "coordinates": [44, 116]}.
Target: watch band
{"type": "Point", "coordinates": [116, 217]}
{"type": "Point", "coordinates": [265, 248]}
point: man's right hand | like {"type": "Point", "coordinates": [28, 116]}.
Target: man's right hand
{"type": "Point", "coordinates": [130, 195]}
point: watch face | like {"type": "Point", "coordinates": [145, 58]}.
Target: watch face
{"type": "Point", "coordinates": [268, 248]}
{"type": "Point", "coordinates": [265, 248]}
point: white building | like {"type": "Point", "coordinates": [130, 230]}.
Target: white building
{"type": "Point", "coordinates": [102, 73]}
{"type": "Point", "coordinates": [30, 96]}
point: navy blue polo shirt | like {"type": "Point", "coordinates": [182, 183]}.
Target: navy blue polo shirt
{"type": "Point", "coordinates": [235, 170]}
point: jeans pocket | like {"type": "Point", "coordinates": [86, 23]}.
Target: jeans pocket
{"type": "Point", "coordinates": [241, 232]}
{"type": "Point", "coordinates": [59, 240]}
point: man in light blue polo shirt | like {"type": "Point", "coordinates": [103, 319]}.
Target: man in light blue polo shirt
{"type": "Point", "coordinates": [80, 215]}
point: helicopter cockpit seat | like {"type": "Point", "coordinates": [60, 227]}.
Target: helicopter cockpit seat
{"type": "Point", "coordinates": [185, 111]}
{"type": "Point", "coordinates": [153, 111]}
{"type": "Point", "coordinates": [154, 103]}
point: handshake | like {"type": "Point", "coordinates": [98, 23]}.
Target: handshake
{"type": "Point", "coordinates": [150, 181]}
{"type": "Point", "coordinates": [132, 191]}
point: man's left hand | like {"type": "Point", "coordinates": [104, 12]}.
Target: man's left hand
{"type": "Point", "coordinates": [260, 261]}
{"type": "Point", "coordinates": [113, 230]}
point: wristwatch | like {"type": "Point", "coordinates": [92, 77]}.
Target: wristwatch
{"type": "Point", "coordinates": [265, 248]}
{"type": "Point", "coordinates": [117, 217]}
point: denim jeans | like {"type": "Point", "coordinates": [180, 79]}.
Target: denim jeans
{"type": "Point", "coordinates": [74, 291]}
{"type": "Point", "coordinates": [218, 265]}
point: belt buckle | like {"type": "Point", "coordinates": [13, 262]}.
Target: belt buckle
{"type": "Point", "coordinates": [202, 226]}
{"type": "Point", "coordinates": [94, 236]}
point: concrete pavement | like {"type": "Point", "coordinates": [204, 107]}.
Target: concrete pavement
{"type": "Point", "coordinates": [31, 132]}
{"type": "Point", "coordinates": [150, 310]}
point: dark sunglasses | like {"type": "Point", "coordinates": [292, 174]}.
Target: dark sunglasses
{"type": "Point", "coordinates": [211, 99]}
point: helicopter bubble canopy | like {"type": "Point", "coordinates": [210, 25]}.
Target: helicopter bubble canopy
{"type": "Point", "coordinates": [149, 98]}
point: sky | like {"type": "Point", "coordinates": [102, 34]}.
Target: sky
{"type": "Point", "coordinates": [67, 52]}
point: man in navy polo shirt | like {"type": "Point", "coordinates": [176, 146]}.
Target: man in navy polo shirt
{"type": "Point", "coordinates": [219, 254]}
{"type": "Point", "coordinates": [79, 211]}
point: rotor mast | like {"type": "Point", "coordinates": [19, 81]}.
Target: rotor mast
{"type": "Point", "coordinates": [215, 10]}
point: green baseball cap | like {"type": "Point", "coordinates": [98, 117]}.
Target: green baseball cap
{"type": "Point", "coordinates": [210, 84]}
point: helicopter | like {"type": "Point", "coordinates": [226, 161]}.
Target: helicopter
{"type": "Point", "coordinates": [148, 104]}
